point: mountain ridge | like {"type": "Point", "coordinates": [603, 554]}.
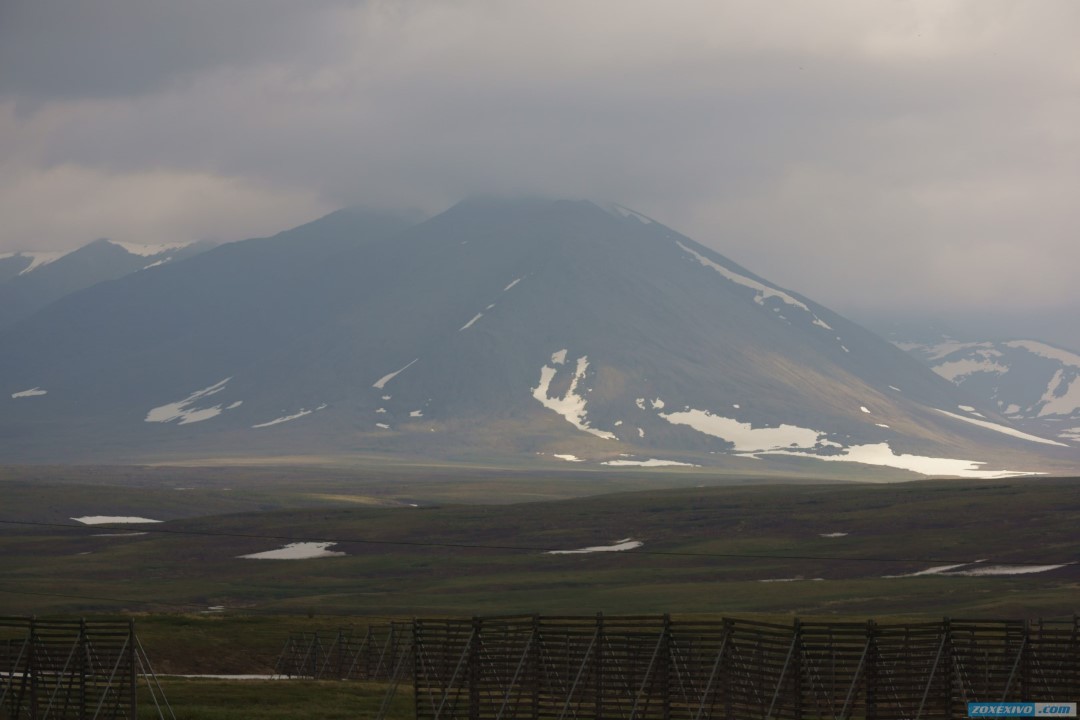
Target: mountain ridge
{"type": "Point", "coordinates": [514, 329]}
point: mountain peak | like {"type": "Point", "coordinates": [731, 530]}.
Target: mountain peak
{"type": "Point", "coordinates": [504, 330]}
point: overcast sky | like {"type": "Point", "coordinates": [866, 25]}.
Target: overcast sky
{"type": "Point", "coordinates": [877, 156]}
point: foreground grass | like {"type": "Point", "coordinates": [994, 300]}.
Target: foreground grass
{"type": "Point", "coordinates": [204, 699]}
{"type": "Point", "coordinates": [707, 550]}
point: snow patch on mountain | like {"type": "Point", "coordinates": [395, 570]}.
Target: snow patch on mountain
{"type": "Point", "coordinates": [625, 213]}
{"type": "Point", "coordinates": [744, 436]}
{"type": "Point", "coordinates": [571, 406]}
{"type": "Point", "coordinates": [149, 250]}
{"type": "Point", "coordinates": [185, 410]}
{"type": "Point", "coordinates": [472, 322]}
{"type": "Point", "coordinates": [515, 282]}
{"type": "Point", "coordinates": [1062, 396]}
{"type": "Point", "coordinates": [1070, 434]}
{"type": "Point", "coordinates": [381, 382]}
{"type": "Point", "coordinates": [1047, 351]}
{"type": "Point", "coordinates": [32, 392]}
{"type": "Point", "coordinates": [1002, 429]}
{"type": "Point", "coordinates": [957, 370]}
{"type": "Point", "coordinates": [287, 418]}
{"type": "Point", "coordinates": [38, 259]}
{"type": "Point", "coordinates": [763, 292]}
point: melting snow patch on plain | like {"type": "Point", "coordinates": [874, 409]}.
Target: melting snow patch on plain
{"type": "Point", "coordinates": [567, 458]}
{"type": "Point", "coordinates": [1002, 429]}
{"type": "Point", "coordinates": [416, 413]}
{"type": "Point", "coordinates": [833, 535]}
{"type": "Point", "coordinates": [296, 551]}
{"type": "Point", "coordinates": [112, 519]}
{"type": "Point", "coordinates": [382, 426]}
{"type": "Point", "coordinates": [618, 546]}
{"type": "Point", "coordinates": [977, 569]}
{"type": "Point", "coordinates": [571, 406]}
{"type": "Point", "coordinates": [883, 455]}
{"type": "Point", "coordinates": [983, 570]}
{"type": "Point", "coordinates": [185, 410]}
{"type": "Point", "coordinates": [512, 284]}
{"type": "Point", "coordinates": [32, 392]}
{"type": "Point", "coordinates": [381, 382]}
{"type": "Point", "coordinates": [763, 291]}
{"type": "Point", "coordinates": [744, 436]}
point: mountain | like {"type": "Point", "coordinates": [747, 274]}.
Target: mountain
{"type": "Point", "coordinates": [501, 331]}
{"type": "Point", "coordinates": [30, 281]}
{"type": "Point", "coordinates": [1034, 384]}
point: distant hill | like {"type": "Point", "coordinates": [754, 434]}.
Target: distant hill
{"type": "Point", "coordinates": [30, 281]}
{"type": "Point", "coordinates": [1034, 384]}
{"type": "Point", "coordinates": [524, 331]}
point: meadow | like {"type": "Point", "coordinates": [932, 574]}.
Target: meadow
{"type": "Point", "coordinates": [444, 541]}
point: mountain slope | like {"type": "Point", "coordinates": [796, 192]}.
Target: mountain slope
{"type": "Point", "coordinates": [30, 281]}
{"type": "Point", "coordinates": [1034, 384]}
{"type": "Point", "coordinates": [496, 330]}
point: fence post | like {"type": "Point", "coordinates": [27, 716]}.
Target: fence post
{"type": "Point", "coordinates": [474, 670]}
{"type": "Point", "coordinates": [871, 670]}
{"type": "Point", "coordinates": [133, 708]}
{"type": "Point", "coordinates": [84, 655]}
{"type": "Point", "coordinates": [534, 666]}
{"type": "Point", "coordinates": [665, 667]}
{"type": "Point", "coordinates": [31, 667]}
{"type": "Point", "coordinates": [1025, 663]}
{"type": "Point", "coordinates": [598, 666]}
{"type": "Point", "coordinates": [797, 667]}
{"type": "Point", "coordinates": [729, 709]}
{"type": "Point", "coordinates": [417, 674]}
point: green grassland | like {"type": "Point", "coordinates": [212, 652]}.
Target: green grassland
{"type": "Point", "coordinates": [203, 699]}
{"type": "Point", "coordinates": [446, 556]}
{"type": "Point", "coordinates": [455, 540]}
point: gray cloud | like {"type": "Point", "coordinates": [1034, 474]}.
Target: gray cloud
{"type": "Point", "coordinates": [914, 154]}
{"type": "Point", "coordinates": [108, 48]}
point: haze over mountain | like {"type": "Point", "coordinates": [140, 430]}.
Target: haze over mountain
{"type": "Point", "coordinates": [31, 280]}
{"type": "Point", "coordinates": [498, 331]}
{"type": "Point", "coordinates": [1034, 384]}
